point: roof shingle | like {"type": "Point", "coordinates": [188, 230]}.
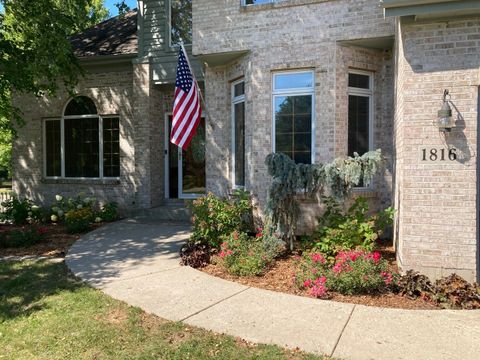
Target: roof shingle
{"type": "Point", "coordinates": [115, 36]}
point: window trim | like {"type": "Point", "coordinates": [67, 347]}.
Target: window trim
{"type": "Point", "coordinates": [370, 94]}
{"type": "Point", "coordinates": [295, 92]}
{"type": "Point", "coordinates": [62, 146]}
{"type": "Point", "coordinates": [234, 101]}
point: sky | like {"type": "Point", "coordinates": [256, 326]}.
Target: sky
{"type": "Point", "coordinates": [110, 4]}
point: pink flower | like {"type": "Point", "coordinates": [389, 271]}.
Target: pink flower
{"type": "Point", "coordinates": [318, 291]}
{"type": "Point", "coordinates": [224, 245]}
{"type": "Point", "coordinates": [376, 257]}
{"type": "Point", "coordinates": [307, 283]}
{"type": "Point", "coordinates": [317, 258]}
{"type": "Point", "coordinates": [229, 252]}
{"type": "Point", "coordinates": [320, 281]}
{"type": "Point", "coordinates": [222, 254]}
{"type": "Point", "coordinates": [337, 268]}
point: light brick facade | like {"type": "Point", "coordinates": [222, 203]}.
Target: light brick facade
{"type": "Point", "coordinates": [436, 229]}
{"type": "Point", "coordinates": [436, 225]}
{"type": "Point", "coordinates": [292, 35]}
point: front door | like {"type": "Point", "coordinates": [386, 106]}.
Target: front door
{"type": "Point", "coordinates": [185, 176]}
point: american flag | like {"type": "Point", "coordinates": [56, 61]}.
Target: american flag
{"type": "Point", "coordinates": [186, 108]}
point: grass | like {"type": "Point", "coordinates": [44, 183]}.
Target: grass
{"type": "Point", "coordinates": [47, 314]}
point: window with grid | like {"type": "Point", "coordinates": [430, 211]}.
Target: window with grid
{"type": "Point", "coordinates": [82, 144]}
{"type": "Point", "coordinates": [293, 104]}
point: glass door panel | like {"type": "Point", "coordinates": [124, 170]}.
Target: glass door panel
{"type": "Point", "coordinates": [192, 177]}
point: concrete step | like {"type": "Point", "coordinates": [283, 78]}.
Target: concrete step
{"type": "Point", "coordinates": [168, 212]}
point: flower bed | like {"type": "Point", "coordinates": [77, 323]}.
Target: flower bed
{"type": "Point", "coordinates": [342, 260]}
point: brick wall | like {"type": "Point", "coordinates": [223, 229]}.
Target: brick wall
{"type": "Point", "coordinates": [290, 35]}
{"type": "Point", "coordinates": [436, 200]}
{"type": "Point", "coordinates": [112, 92]}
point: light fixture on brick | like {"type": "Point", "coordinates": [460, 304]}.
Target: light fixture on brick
{"type": "Point", "coordinates": [445, 120]}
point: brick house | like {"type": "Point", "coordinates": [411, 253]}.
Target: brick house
{"type": "Point", "coordinates": [315, 79]}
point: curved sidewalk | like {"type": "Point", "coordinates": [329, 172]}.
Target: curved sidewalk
{"type": "Point", "coordinates": [139, 264]}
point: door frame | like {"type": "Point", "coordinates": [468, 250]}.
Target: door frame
{"type": "Point", "coordinates": [181, 195]}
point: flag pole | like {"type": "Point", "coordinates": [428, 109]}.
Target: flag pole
{"type": "Point", "coordinates": [196, 84]}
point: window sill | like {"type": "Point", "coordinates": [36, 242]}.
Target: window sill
{"type": "Point", "coordinates": [82, 181]}
{"type": "Point", "coordinates": [280, 4]}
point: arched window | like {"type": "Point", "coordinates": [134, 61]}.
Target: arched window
{"type": "Point", "coordinates": [82, 144]}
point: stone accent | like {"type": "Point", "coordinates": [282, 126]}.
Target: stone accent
{"type": "Point", "coordinates": [436, 201]}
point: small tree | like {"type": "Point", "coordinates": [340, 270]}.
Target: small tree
{"type": "Point", "coordinates": [290, 180]}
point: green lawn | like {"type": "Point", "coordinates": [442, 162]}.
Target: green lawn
{"type": "Point", "coordinates": [46, 314]}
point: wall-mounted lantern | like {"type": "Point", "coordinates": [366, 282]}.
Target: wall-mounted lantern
{"type": "Point", "coordinates": [445, 120]}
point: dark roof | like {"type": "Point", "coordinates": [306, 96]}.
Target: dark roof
{"type": "Point", "coordinates": [115, 36]}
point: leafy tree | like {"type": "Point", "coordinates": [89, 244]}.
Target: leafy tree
{"type": "Point", "coordinates": [35, 53]}
{"type": "Point", "coordinates": [181, 21]}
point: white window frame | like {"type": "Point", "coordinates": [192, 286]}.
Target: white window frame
{"type": "Point", "coordinates": [62, 146]}
{"type": "Point", "coordinates": [236, 100]}
{"type": "Point", "coordinates": [294, 92]}
{"type": "Point", "coordinates": [369, 93]}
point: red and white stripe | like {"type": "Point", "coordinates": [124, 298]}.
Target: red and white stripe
{"type": "Point", "coordinates": [186, 116]}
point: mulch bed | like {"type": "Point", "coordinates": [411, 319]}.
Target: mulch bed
{"type": "Point", "coordinates": [55, 243]}
{"type": "Point", "coordinates": [280, 278]}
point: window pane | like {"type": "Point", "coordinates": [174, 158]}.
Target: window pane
{"type": "Point", "coordinates": [359, 81]}
{"type": "Point", "coordinates": [52, 145]}
{"type": "Point", "coordinates": [239, 89]}
{"type": "Point", "coordinates": [293, 80]}
{"type": "Point", "coordinates": [293, 127]}
{"type": "Point", "coordinates": [81, 105]}
{"type": "Point", "coordinates": [111, 147]}
{"type": "Point", "coordinates": [81, 148]}
{"type": "Point", "coordinates": [358, 124]}
{"type": "Point", "coordinates": [240, 144]}
{"type": "Point", "coordinates": [181, 20]}
{"type": "Point", "coordinates": [255, 2]}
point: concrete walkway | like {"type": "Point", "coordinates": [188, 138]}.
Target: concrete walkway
{"type": "Point", "coordinates": [139, 264]}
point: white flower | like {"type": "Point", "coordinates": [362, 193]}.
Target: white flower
{"type": "Point", "coordinates": [58, 197]}
{"type": "Point", "coordinates": [35, 208]}
{"type": "Point", "coordinates": [54, 218]}
{"type": "Point", "coordinates": [80, 206]}
{"type": "Point", "coordinates": [98, 220]}
{"type": "Point", "coordinates": [60, 213]}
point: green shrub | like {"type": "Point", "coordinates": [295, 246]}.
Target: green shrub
{"type": "Point", "coordinates": [214, 217]}
{"type": "Point", "coordinates": [109, 212]}
{"type": "Point", "coordinates": [354, 229]}
{"type": "Point", "coordinates": [21, 238]}
{"type": "Point", "coordinates": [244, 255]}
{"type": "Point", "coordinates": [20, 211]}
{"type": "Point", "coordinates": [62, 206]}
{"type": "Point", "coordinates": [354, 272]}
{"type": "Point", "coordinates": [79, 220]}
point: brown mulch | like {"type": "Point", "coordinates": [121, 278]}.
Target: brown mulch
{"type": "Point", "coordinates": [280, 278]}
{"type": "Point", "coordinates": [55, 243]}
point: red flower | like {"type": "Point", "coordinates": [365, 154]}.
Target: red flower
{"type": "Point", "coordinates": [337, 268]}
{"type": "Point", "coordinates": [376, 257]}
{"type": "Point", "coordinates": [222, 254]}
{"type": "Point", "coordinates": [317, 258]}
{"type": "Point", "coordinates": [307, 283]}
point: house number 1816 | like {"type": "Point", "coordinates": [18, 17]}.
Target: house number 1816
{"type": "Point", "coordinates": [439, 154]}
